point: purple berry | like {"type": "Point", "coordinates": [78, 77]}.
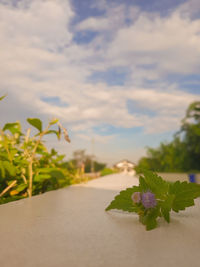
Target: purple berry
{"type": "Point", "coordinates": [136, 197]}
{"type": "Point", "coordinates": [149, 200]}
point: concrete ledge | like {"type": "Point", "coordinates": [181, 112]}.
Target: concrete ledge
{"type": "Point", "coordinates": [178, 176]}
{"type": "Point", "coordinates": [69, 227]}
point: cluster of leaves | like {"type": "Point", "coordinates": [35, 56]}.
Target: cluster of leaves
{"type": "Point", "coordinates": [26, 166]}
{"type": "Point", "coordinates": [182, 154]}
{"type": "Point", "coordinates": [174, 196]}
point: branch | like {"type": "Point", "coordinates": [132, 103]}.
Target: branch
{"type": "Point", "coordinates": [8, 188]}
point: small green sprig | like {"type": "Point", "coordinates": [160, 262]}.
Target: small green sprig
{"type": "Point", "coordinates": [155, 197]}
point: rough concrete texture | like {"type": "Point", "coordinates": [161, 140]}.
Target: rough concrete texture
{"type": "Point", "coordinates": [69, 228]}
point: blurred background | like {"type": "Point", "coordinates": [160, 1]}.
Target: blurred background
{"type": "Point", "coordinates": [122, 77]}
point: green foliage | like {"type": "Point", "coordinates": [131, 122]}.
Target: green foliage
{"type": "Point", "coordinates": [184, 193]}
{"type": "Point", "coordinates": [183, 153]}
{"type": "Point", "coordinates": [26, 166]}
{"type": "Point", "coordinates": [98, 166]}
{"type": "Point", "coordinates": [35, 123]}
{"type": "Point", "coordinates": [107, 171]}
{"type": "Point", "coordinates": [13, 127]}
{"type": "Point", "coordinates": [169, 196]}
{"type": "Point", "coordinates": [123, 201]}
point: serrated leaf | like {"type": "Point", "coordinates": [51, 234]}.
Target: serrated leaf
{"type": "Point", "coordinates": [123, 201]}
{"type": "Point", "coordinates": [156, 184]}
{"type": "Point", "coordinates": [185, 193]}
{"type": "Point", "coordinates": [144, 186]}
{"type": "Point", "coordinates": [35, 123]}
{"type": "Point", "coordinates": [182, 204]}
{"type": "Point", "coordinates": [166, 207]}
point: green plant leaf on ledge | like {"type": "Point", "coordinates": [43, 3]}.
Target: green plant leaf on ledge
{"type": "Point", "coordinates": [155, 197]}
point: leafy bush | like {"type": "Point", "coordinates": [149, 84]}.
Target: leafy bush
{"type": "Point", "coordinates": [26, 166]}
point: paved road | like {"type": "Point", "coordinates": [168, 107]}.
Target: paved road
{"type": "Point", "coordinates": [69, 228]}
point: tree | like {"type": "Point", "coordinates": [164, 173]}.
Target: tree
{"type": "Point", "coordinates": [183, 153]}
{"type": "Point", "coordinates": [190, 130]}
{"type": "Point", "coordinates": [81, 160]}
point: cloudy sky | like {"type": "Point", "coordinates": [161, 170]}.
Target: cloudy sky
{"type": "Point", "coordinates": [119, 71]}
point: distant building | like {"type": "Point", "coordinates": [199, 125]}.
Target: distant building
{"type": "Point", "coordinates": [125, 165]}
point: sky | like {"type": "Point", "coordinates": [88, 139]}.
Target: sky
{"type": "Point", "coordinates": [121, 73]}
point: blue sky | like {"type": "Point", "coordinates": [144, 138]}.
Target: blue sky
{"type": "Point", "coordinates": [119, 72]}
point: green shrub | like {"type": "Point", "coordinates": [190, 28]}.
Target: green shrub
{"type": "Point", "coordinates": [107, 171]}
{"type": "Point", "coordinates": [26, 166]}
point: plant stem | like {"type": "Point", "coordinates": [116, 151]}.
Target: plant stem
{"type": "Point", "coordinates": [8, 187]}
{"type": "Point", "coordinates": [24, 178]}
{"type": "Point", "coordinates": [30, 166]}
{"type": "Point", "coordinates": [30, 170]}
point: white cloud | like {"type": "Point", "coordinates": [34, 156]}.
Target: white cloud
{"type": "Point", "coordinates": [39, 59]}
{"type": "Point", "coordinates": [96, 137]}
{"type": "Point", "coordinates": [94, 24]}
{"type": "Point", "coordinates": [172, 44]}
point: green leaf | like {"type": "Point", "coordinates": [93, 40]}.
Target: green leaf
{"type": "Point", "coordinates": [2, 97]}
{"type": "Point", "coordinates": [21, 187]}
{"type": "Point", "coordinates": [46, 170]}
{"type": "Point", "coordinates": [59, 158]}
{"type": "Point", "coordinates": [53, 172]}
{"type": "Point", "coordinates": [185, 193]}
{"type": "Point", "coordinates": [12, 127]}
{"type": "Point", "coordinates": [11, 169]}
{"type": "Point", "coordinates": [144, 186]}
{"type": "Point", "coordinates": [166, 207]}
{"type": "Point", "coordinates": [54, 132]}
{"type": "Point", "coordinates": [41, 177]}
{"type": "Point", "coordinates": [123, 201]}
{"type": "Point", "coordinates": [149, 218]}
{"type": "Point", "coordinates": [35, 123]}
{"type": "Point", "coordinates": [54, 121]}
{"type": "Point", "coordinates": [156, 184]}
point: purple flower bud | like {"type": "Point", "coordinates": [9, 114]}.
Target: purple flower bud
{"type": "Point", "coordinates": [148, 200]}
{"type": "Point", "coordinates": [136, 197]}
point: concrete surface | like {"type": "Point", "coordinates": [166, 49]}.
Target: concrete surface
{"type": "Point", "coordinates": [69, 228]}
{"type": "Point", "coordinates": [172, 177]}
